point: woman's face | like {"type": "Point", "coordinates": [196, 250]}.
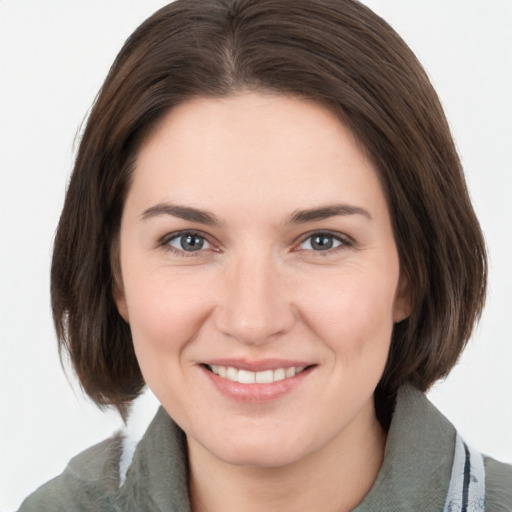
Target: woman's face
{"type": "Point", "coordinates": [260, 276]}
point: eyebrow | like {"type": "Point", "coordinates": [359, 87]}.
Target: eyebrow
{"type": "Point", "coordinates": [326, 212]}
{"type": "Point", "coordinates": [182, 212]}
{"type": "Point", "coordinates": [297, 217]}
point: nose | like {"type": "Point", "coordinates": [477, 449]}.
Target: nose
{"type": "Point", "coordinates": [255, 306]}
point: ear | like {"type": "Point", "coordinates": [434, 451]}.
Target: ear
{"type": "Point", "coordinates": [117, 287]}
{"type": "Point", "coordinates": [120, 300]}
{"type": "Point", "coordinates": [402, 306]}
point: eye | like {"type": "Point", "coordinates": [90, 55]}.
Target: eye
{"type": "Point", "coordinates": [188, 242]}
{"type": "Point", "coordinates": [321, 242]}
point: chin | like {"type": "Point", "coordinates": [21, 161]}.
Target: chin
{"type": "Point", "coordinates": [263, 451]}
{"type": "Point", "coordinates": [259, 457]}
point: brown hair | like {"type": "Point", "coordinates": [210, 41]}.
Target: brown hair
{"type": "Point", "coordinates": [337, 52]}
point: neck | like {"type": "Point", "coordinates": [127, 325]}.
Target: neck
{"type": "Point", "coordinates": [335, 478]}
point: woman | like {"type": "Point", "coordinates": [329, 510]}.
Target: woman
{"type": "Point", "coordinates": [268, 225]}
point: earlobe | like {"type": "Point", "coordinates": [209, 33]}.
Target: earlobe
{"type": "Point", "coordinates": [402, 311]}
{"type": "Point", "coordinates": [402, 308]}
{"type": "Point", "coordinates": [117, 287]}
{"type": "Point", "coordinates": [120, 300]}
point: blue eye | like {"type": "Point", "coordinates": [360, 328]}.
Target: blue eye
{"type": "Point", "coordinates": [322, 242]}
{"type": "Point", "coordinates": [189, 242]}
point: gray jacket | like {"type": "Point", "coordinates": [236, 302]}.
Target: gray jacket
{"type": "Point", "coordinates": [419, 472]}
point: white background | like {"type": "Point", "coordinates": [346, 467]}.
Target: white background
{"type": "Point", "coordinates": [54, 56]}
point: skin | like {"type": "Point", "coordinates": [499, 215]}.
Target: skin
{"type": "Point", "coordinates": [259, 289]}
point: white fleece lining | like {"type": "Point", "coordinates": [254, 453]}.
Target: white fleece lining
{"type": "Point", "coordinates": [142, 411]}
{"type": "Point", "coordinates": [475, 491]}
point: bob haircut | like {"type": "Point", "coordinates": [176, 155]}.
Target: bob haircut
{"type": "Point", "coordinates": [335, 52]}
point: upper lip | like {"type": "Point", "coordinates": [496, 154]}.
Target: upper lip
{"type": "Point", "coordinates": [257, 365]}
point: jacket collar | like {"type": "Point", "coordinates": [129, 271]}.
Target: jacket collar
{"type": "Point", "coordinates": [157, 480]}
{"type": "Point", "coordinates": [414, 476]}
{"type": "Point", "coordinates": [418, 458]}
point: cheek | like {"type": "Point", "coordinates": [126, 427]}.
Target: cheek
{"type": "Point", "coordinates": [164, 313]}
{"type": "Point", "coordinates": [352, 311]}
{"type": "Point", "coordinates": [165, 316]}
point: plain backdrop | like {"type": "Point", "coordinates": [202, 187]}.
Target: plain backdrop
{"type": "Point", "coordinates": [54, 56]}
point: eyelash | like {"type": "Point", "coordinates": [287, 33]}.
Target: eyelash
{"type": "Point", "coordinates": [167, 239]}
{"type": "Point", "coordinates": [345, 242]}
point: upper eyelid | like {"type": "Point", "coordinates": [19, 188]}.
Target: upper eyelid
{"type": "Point", "coordinates": [165, 239]}
{"type": "Point", "coordinates": [175, 234]}
{"type": "Point", "coordinates": [335, 234]}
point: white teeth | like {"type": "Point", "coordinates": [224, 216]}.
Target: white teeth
{"type": "Point", "coordinates": [247, 377]}
{"type": "Point", "coordinates": [290, 372]}
{"type": "Point", "coordinates": [232, 373]}
{"type": "Point", "coordinates": [279, 374]}
{"type": "Point", "coordinates": [265, 377]}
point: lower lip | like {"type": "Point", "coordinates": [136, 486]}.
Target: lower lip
{"type": "Point", "coordinates": [256, 393]}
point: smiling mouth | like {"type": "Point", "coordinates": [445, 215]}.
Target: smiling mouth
{"type": "Point", "coordinates": [248, 377]}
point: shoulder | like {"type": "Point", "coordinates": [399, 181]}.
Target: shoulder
{"type": "Point", "coordinates": [88, 483]}
{"type": "Point", "coordinates": [113, 475]}
{"type": "Point", "coordinates": [498, 486]}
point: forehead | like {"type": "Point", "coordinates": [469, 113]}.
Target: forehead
{"type": "Point", "coordinates": [256, 149]}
